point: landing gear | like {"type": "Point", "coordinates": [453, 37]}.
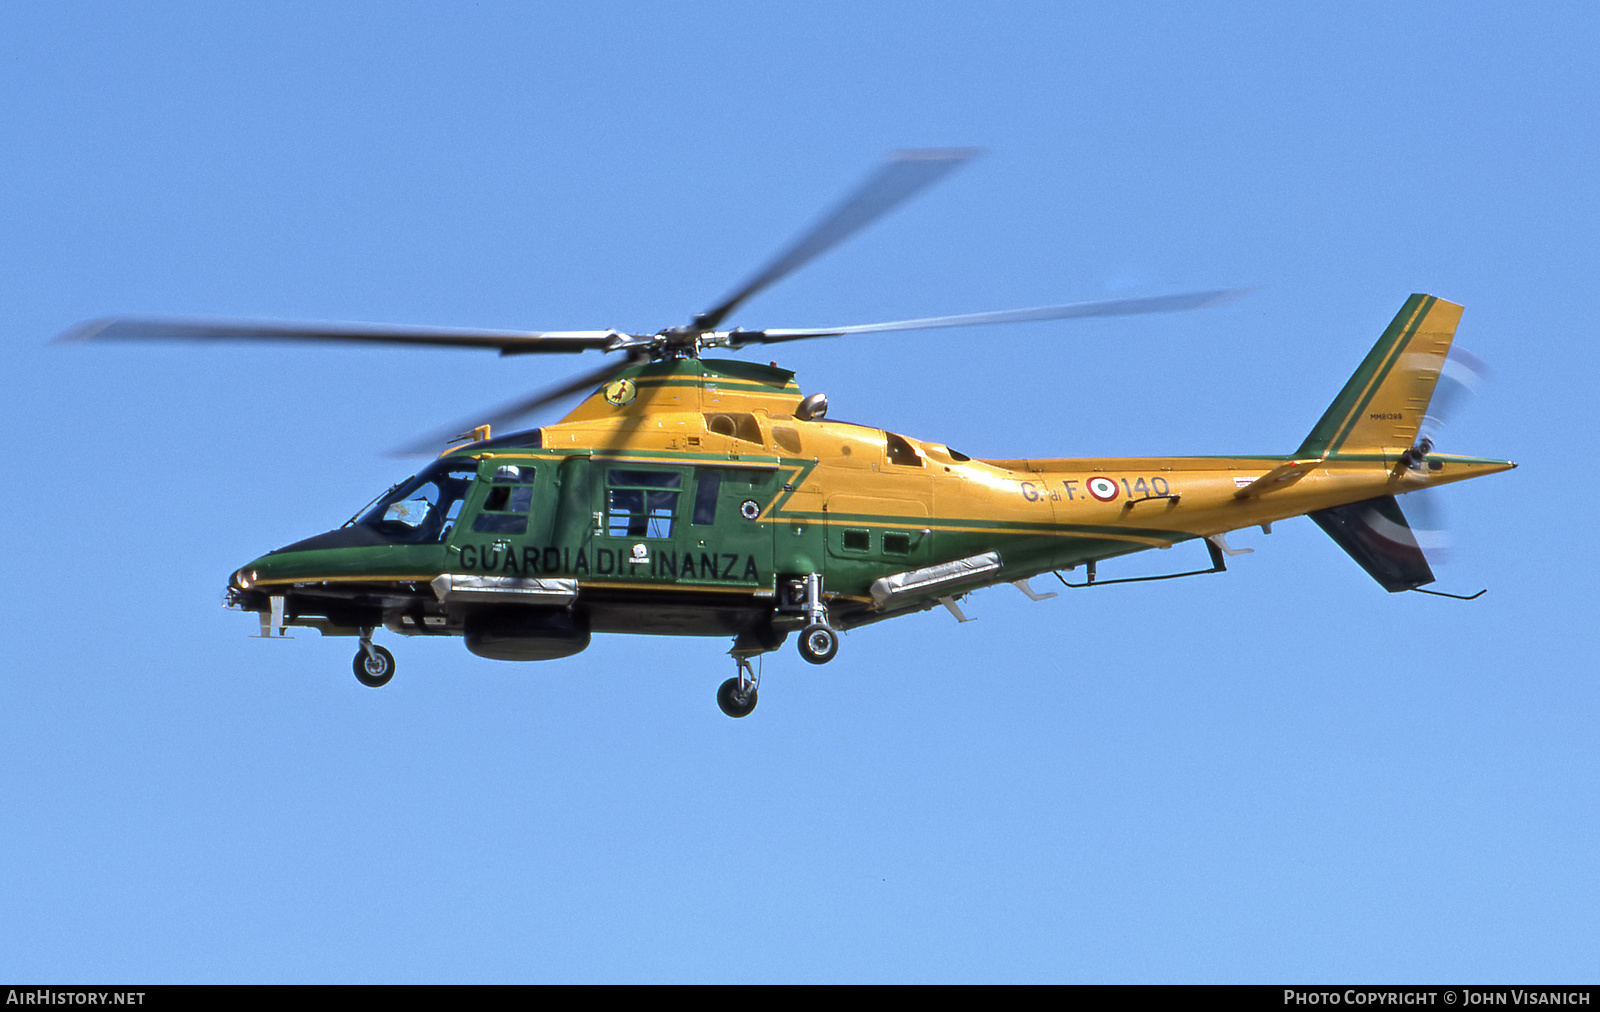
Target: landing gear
{"type": "Point", "coordinates": [818, 640]}
{"type": "Point", "coordinates": [373, 664]}
{"type": "Point", "coordinates": [818, 644]}
{"type": "Point", "coordinates": [799, 600]}
{"type": "Point", "coordinates": [737, 697]}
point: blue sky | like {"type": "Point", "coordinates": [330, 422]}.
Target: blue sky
{"type": "Point", "coordinates": [1278, 774]}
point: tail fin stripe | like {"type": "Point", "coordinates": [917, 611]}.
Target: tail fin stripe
{"type": "Point", "coordinates": [1382, 405]}
{"type": "Point", "coordinates": [1381, 373]}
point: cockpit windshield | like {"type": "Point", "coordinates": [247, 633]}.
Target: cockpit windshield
{"type": "Point", "coordinates": [423, 508]}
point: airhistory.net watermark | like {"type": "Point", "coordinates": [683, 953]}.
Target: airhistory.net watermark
{"type": "Point", "coordinates": [43, 996]}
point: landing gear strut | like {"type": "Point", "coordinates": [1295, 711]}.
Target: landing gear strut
{"type": "Point", "coordinates": [818, 640]}
{"type": "Point", "coordinates": [737, 697]}
{"type": "Point", "coordinates": [373, 664]}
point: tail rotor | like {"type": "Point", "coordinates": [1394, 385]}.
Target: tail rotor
{"type": "Point", "coordinates": [1460, 380]}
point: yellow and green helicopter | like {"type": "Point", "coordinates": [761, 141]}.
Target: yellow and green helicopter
{"type": "Point", "coordinates": [696, 496]}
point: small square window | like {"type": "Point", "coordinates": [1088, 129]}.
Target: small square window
{"type": "Point", "coordinates": [896, 543]}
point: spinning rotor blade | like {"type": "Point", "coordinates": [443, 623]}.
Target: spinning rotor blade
{"type": "Point", "coordinates": [903, 176]}
{"type": "Point", "coordinates": [1077, 310]}
{"type": "Point", "coordinates": [507, 342]}
{"type": "Point", "coordinates": [504, 415]}
{"type": "Point", "coordinates": [1429, 524]}
{"type": "Point", "coordinates": [1460, 378]}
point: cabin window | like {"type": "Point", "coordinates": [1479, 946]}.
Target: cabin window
{"type": "Point", "coordinates": [901, 452]}
{"type": "Point", "coordinates": [505, 509]}
{"type": "Point", "coordinates": [896, 543]}
{"type": "Point", "coordinates": [708, 484]}
{"type": "Point", "coordinates": [641, 504]}
{"type": "Point", "coordinates": [857, 540]}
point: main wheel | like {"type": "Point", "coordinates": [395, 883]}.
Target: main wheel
{"type": "Point", "coordinates": [818, 644]}
{"type": "Point", "coordinates": [375, 668]}
{"type": "Point", "coordinates": [736, 700]}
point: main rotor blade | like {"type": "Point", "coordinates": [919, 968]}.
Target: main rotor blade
{"type": "Point", "coordinates": [1076, 310]}
{"type": "Point", "coordinates": [904, 175]}
{"type": "Point", "coordinates": [179, 329]}
{"type": "Point", "coordinates": [504, 415]}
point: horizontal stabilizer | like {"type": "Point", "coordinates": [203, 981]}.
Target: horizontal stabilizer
{"type": "Point", "coordinates": [1281, 476]}
{"type": "Point", "coordinates": [1376, 535]}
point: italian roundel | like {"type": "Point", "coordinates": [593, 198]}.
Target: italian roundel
{"type": "Point", "coordinates": [1103, 489]}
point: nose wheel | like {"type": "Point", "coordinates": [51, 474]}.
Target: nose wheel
{"type": "Point", "coordinates": [737, 696]}
{"type": "Point", "coordinates": [373, 664]}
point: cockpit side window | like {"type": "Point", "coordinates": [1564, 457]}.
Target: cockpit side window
{"type": "Point", "coordinates": [506, 506]}
{"type": "Point", "coordinates": [424, 508]}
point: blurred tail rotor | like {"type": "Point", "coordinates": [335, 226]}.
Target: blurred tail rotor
{"type": "Point", "coordinates": [1462, 377]}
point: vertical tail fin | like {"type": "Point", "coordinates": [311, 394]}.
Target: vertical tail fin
{"type": "Point", "coordinates": [1381, 408]}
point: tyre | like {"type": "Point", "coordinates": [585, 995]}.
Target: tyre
{"type": "Point", "coordinates": [374, 669]}
{"type": "Point", "coordinates": [818, 644]}
{"type": "Point", "coordinates": [736, 701]}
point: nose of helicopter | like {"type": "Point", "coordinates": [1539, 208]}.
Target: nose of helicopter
{"type": "Point", "coordinates": [254, 573]}
{"type": "Point", "coordinates": [351, 553]}
{"type": "Point", "coordinates": [281, 567]}
{"type": "Point", "coordinates": [333, 552]}
{"type": "Point", "coordinates": [323, 552]}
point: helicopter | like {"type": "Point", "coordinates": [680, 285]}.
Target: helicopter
{"type": "Point", "coordinates": [699, 496]}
